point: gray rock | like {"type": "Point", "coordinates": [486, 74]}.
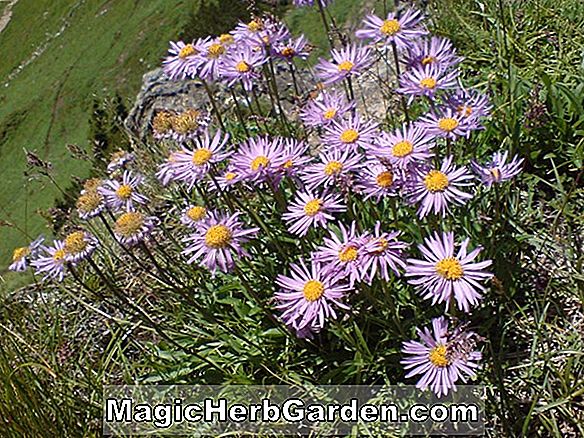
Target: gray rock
{"type": "Point", "coordinates": [160, 93]}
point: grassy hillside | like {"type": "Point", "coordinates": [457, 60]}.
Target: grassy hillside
{"type": "Point", "coordinates": [57, 57]}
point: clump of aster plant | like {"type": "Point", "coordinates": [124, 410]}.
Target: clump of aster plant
{"type": "Point", "coordinates": [294, 205]}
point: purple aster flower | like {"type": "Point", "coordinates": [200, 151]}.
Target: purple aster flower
{"type": "Point", "coordinates": [51, 264]}
{"type": "Point", "coordinates": [212, 56]}
{"type": "Point", "coordinates": [133, 227]}
{"type": "Point", "coordinates": [261, 32]}
{"type": "Point", "coordinates": [344, 254]}
{"type": "Point", "coordinates": [435, 51]}
{"type": "Point", "coordinates": [217, 241]}
{"type": "Point", "coordinates": [166, 170]}
{"type": "Point", "coordinates": [442, 358]}
{"type": "Point", "coordinates": [497, 170]}
{"type": "Point", "coordinates": [326, 108]}
{"type": "Point", "coordinates": [260, 159]}
{"type": "Point", "coordinates": [470, 104]}
{"type": "Point", "coordinates": [248, 31]}
{"type": "Point", "coordinates": [404, 147]}
{"type": "Point", "coordinates": [22, 256]}
{"type": "Point", "coordinates": [447, 123]}
{"type": "Point", "coordinates": [193, 216]}
{"type": "Point", "coordinates": [401, 31]}
{"type": "Point", "coordinates": [242, 65]}
{"type": "Point", "coordinates": [435, 189]}
{"type": "Point", "coordinates": [228, 178]}
{"type": "Point", "coordinates": [443, 275]}
{"type": "Point", "coordinates": [347, 62]}
{"type": "Point", "coordinates": [383, 252]}
{"type": "Point", "coordinates": [333, 169]}
{"type": "Point", "coordinates": [350, 134]}
{"type": "Point", "coordinates": [309, 209]}
{"type": "Point", "coordinates": [291, 48]}
{"type": "Point", "coordinates": [309, 296]}
{"type": "Point", "coordinates": [273, 33]}
{"type": "Point", "coordinates": [295, 156]}
{"type": "Point", "coordinates": [192, 165]}
{"type": "Point", "coordinates": [426, 81]}
{"type": "Point", "coordinates": [89, 204]}
{"type": "Point", "coordinates": [378, 180]}
{"type": "Point", "coordinates": [122, 195]}
{"type": "Point", "coordinates": [183, 60]}
{"type": "Point", "coordinates": [119, 160]}
{"type": "Point", "coordinates": [79, 245]}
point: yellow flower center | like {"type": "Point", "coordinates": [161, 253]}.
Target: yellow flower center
{"type": "Point", "coordinates": [288, 164]}
{"type": "Point", "coordinates": [242, 67]}
{"type": "Point", "coordinates": [255, 25]}
{"type": "Point", "coordinates": [349, 136]}
{"type": "Point", "coordinates": [128, 224]}
{"type": "Point", "coordinates": [117, 155]}
{"type": "Point", "coordinates": [288, 52]}
{"type": "Point", "coordinates": [20, 253]}
{"type": "Point", "coordinates": [215, 50]}
{"type": "Point", "coordinates": [186, 122]}
{"type": "Point", "coordinates": [384, 179]}
{"type": "Point", "coordinates": [333, 168]}
{"type": "Point", "coordinates": [162, 122]}
{"type": "Point", "coordinates": [313, 290]}
{"type": "Point", "coordinates": [348, 254]}
{"type": "Point", "coordinates": [313, 207]}
{"type": "Point", "coordinates": [448, 124]}
{"type": "Point", "coordinates": [496, 173]}
{"type": "Point", "coordinates": [428, 60]}
{"type": "Point", "coordinates": [260, 161]}
{"type": "Point", "coordinates": [428, 83]}
{"type": "Point", "coordinates": [75, 242]}
{"type": "Point", "coordinates": [196, 213]}
{"type": "Point", "coordinates": [218, 236]}
{"type": "Point", "coordinates": [226, 39]}
{"type": "Point", "coordinates": [436, 181]}
{"type": "Point", "coordinates": [390, 27]}
{"type": "Point", "coordinates": [229, 176]}
{"type": "Point", "coordinates": [346, 66]}
{"type": "Point", "coordinates": [91, 184]}
{"type": "Point", "coordinates": [124, 192]}
{"type": "Point", "coordinates": [438, 356]}
{"type": "Point", "coordinates": [186, 51]}
{"type": "Point", "coordinates": [449, 268]}
{"type": "Point", "coordinates": [59, 255]}
{"type": "Point", "coordinates": [402, 148]}
{"type": "Point", "coordinates": [88, 201]}
{"type": "Point", "coordinates": [202, 156]}
{"type": "Point", "coordinates": [330, 113]}
{"type": "Point", "coordinates": [382, 245]}
{"type": "Point", "coordinates": [465, 110]}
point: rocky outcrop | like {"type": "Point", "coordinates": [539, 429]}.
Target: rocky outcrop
{"type": "Point", "coordinates": [160, 93]}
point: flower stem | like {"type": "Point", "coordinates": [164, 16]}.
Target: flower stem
{"type": "Point", "coordinates": [214, 104]}
{"type": "Point", "coordinates": [398, 74]}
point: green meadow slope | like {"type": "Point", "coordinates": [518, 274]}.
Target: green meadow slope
{"type": "Point", "coordinates": [57, 57]}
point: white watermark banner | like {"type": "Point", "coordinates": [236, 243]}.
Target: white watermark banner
{"type": "Point", "coordinates": [289, 410]}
